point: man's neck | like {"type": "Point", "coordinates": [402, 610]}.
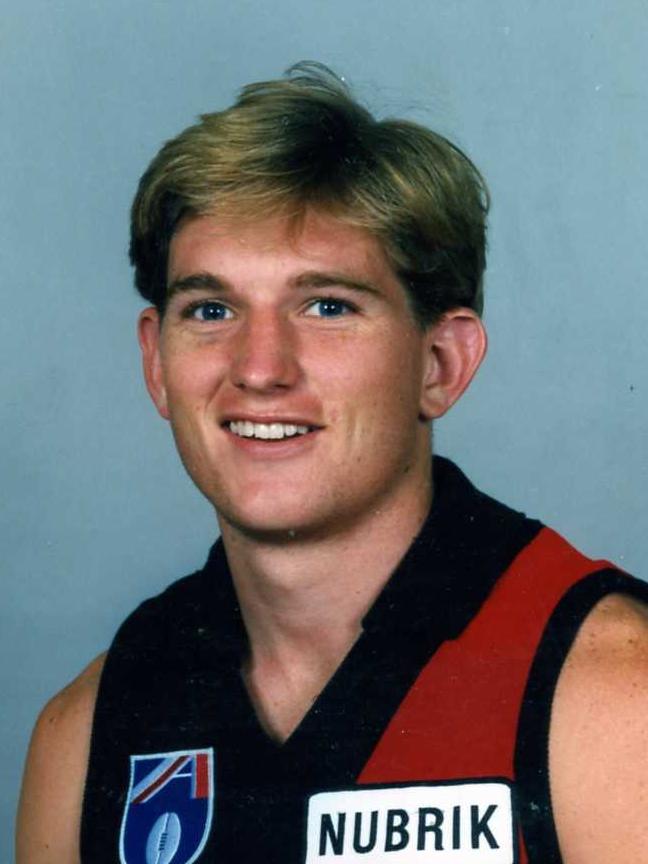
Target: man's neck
{"type": "Point", "coordinates": [303, 600]}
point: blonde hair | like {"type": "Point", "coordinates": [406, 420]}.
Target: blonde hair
{"type": "Point", "coordinates": [303, 141]}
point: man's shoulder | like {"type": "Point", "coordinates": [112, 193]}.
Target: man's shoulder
{"type": "Point", "coordinates": [609, 658]}
{"type": "Point", "coordinates": [67, 716]}
{"type": "Point", "coordinates": [66, 719]}
{"type": "Point", "coordinates": [615, 632]}
{"type": "Point", "coordinates": [599, 736]}
{"type": "Point", "coordinates": [50, 803]}
{"type": "Point", "coordinates": [74, 701]}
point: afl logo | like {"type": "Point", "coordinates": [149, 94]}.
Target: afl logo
{"type": "Point", "coordinates": [169, 807]}
{"type": "Point", "coordinates": [164, 839]}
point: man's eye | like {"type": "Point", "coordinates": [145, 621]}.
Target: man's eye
{"type": "Point", "coordinates": [210, 311]}
{"type": "Point", "coordinates": [329, 307]}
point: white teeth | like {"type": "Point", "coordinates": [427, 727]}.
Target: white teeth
{"type": "Point", "coordinates": [265, 431]}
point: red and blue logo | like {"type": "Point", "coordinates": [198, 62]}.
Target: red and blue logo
{"type": "Point", "coordinates": [169, 807]}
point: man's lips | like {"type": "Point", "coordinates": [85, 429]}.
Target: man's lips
{"type": "Point", "coordinates": [267, 419]}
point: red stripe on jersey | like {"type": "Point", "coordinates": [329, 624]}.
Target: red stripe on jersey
{"type": "Point", "coordinates": [201, 777]}
{"type": "Point", "coordinates": [459, 719]}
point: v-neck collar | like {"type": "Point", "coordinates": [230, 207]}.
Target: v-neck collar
{"type": "Point", "coordinates": [464, 545]}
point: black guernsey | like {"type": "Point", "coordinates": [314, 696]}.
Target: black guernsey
{"type": "Point", "coordinates": [172, 683]}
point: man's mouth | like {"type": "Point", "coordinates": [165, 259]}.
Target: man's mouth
{"type": "Point", "coordinates": [267, 431]}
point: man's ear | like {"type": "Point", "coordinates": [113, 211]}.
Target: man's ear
{"type": "Point", "coordinates": [148, 333]}
{"type": "Point", "coordinates": [454, 348]}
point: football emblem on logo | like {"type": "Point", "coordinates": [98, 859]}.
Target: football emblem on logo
{"type": "Point", "coordinates": [169, 807]}
{"type": "Point", "coordinates": [164, 839]}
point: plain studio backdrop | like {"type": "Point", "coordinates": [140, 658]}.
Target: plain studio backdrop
{"type": "Point", "coordinates": [549, 99]}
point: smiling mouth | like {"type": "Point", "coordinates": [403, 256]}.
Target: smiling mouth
{"type": "Point", "coordinates": [267, 431]}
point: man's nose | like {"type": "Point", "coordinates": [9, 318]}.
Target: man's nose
{"type": "Point", "coordinates": [265, 356]}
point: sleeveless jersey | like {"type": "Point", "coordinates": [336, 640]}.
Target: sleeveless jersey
{"type": "Point", "coordinates": [429, 744]}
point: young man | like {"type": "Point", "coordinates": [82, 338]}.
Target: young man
{"type": "Point", "coordinates": [375, 657]}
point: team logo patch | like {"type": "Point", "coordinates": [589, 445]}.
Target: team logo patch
{"type": "Point", "coordinates": [169, 807]}
{"type": "Point", "coordinates": [445, 823]}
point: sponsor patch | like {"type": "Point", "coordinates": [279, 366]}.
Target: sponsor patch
{"type": "Point", "coordinates": [446, 823]}
{"type": "Point", "coordinates": [169, 807]}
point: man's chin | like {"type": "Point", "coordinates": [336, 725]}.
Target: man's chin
{"type": "Point", "coordinates": [275, 532]}
{"type": "Point", "coordinates": [278, 529]}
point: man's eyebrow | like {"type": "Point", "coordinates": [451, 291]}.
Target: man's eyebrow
{"type": "Point", "coordinates": [310, 279]}
{"type": "Point", "coordinates": [318, 279]}
{"type": "Point", "coordinates": [196, 282]}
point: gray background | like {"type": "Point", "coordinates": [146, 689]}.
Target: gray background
{"type": "Point", "coordinates": [550, 100]}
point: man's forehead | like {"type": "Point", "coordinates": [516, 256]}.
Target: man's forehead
{"type": "Point", "coordinates": [319, 241]}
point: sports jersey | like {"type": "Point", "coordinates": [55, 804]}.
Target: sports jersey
{"type": "Point", "coordinates": [428, 744]}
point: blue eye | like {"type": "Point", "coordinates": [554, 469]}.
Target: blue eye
{"type": "Point", "coordinates": [210, 311]}
{"type": "Point", "coordinates": [329, 307]}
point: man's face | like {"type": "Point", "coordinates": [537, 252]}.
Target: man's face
{"type": "Point", "coordinates": [292, 372]}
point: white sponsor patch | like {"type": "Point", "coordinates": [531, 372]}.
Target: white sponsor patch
{"type": "Point", "coordinates": [453, 823]}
